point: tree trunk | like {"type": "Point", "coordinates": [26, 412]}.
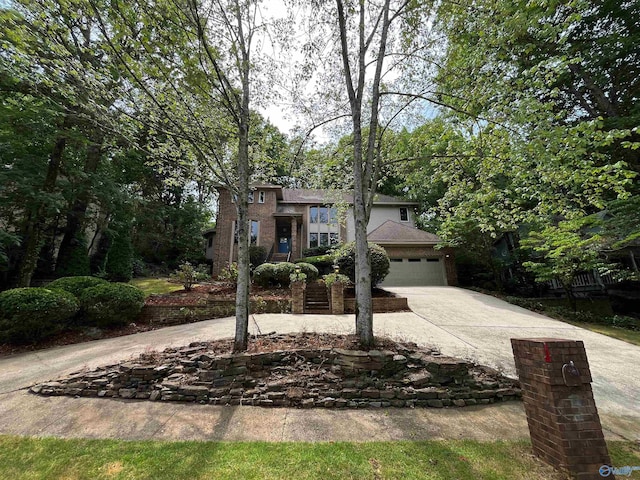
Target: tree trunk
{"type": "Point", "coordinates": [77, 212]}
{"type": "Point", "coordinates": [35, 221]}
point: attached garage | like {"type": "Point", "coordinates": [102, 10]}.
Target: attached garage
{"type": "Point", "coordinates": [406, 272]}
{"type": "Point", "coordinates": [414, 259]}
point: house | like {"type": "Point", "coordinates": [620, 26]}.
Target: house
{"type": "Point", "coordinates": [287, 221]}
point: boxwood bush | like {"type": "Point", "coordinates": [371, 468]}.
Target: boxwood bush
{"type": "Point", "coordinates": [324, 263]}
{"type": "Point", "coordinates": [76, 285]}
{"type": "Point", "coordinates": [309, 270]}
{"type": "Point", "coordinates": [346, 260]}
{"type": "Point", "coordinates": [111, 304]}
{"type": "Point", "coordinates": [28, 315]}
{"type": "Point", "coordinates": [264, 274]}
{"type": "Point", "coordinates": [283, 273]}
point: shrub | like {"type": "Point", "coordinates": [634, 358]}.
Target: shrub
{"type": "Point", "coordinates": [297, 277]}
{"type": "Point", "coordinates": [264, 274]}
{"type": "Point", "coordinates": [111, 304]}
{"type": "Point", "coordinates": [320, 250]}
{"type": "Point", "coordinates": [332, 278]}
{"type": "Point", "coordinates": [229, 274]}
{"type": "Point", "coordinates": [31, 314]}
{"type": "Point", "coordinates": [324, 263]}
{"type": "Point", "coordinates": [282, 273]}
{"type": "Point", "coordinates": [73, 259]}
{"type": "Point", "coordinates": [346, 260]}
{"type": "Point", "coordinates": [257, 255]}
{"type": "Point", "coordinates": [309, 270]}
{"type": "Point", "coordinates": [119, 265]}
{"type": "Point", "coordinates": [187, 275]}
{"type": "Point", "coordinates": [76, 285]}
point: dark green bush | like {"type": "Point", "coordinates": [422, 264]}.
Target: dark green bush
{"type": "Point", "coordinates": [119, 265]}
{"type": "Point", "coordinates": [309, 270]}
{"type": "Point", "coordinates": [111, 304]}
{"type": "Point", "coordinates": [76, 285]}
{"type": "Point", "coordinates": [264, 274]}
{"type": "Point", "coordinates": [320, 250]}
{"type": "Point", "coordinates": [257, 255]}
{"type": "Point", "coordinates": [31, 314]}
{"type": "Point", "coordinates": [74, 260]}
{"type": "Point", "coordinates": [324, 263]}
{"type": "Point", "coordinates": [346, 259]}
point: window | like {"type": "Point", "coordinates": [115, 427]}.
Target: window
{"type": "Point", "coordinates": [253, 233]}
{"type": "Point", "coordinates": [261, 196]}
{"type": "Point", "coordinates": [404, 214]}
{"type": "Point", "coordinates": [255, 229]}
{"type": "Point", "coordinates": [313, 215]}
{"type": "Point", "coordinates": [250, 197]}
{"type": "Point", "coordinates": [324, 215]}
{"type": "Point", "coordinates": [395, 260]}
{"type": "Point", "coordinates": [414, 260]}
{"type": "Point", "coordinates": [334, 238]}
{"type": "Point", "coordinates": [210, 242]}
{"type": "Point", "coordinates": [313, 240]}
{"type": "Point", "coordinates": [433, 259]}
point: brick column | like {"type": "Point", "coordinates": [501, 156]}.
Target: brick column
{"type": "Point", "coordinates": [561, 412]}
{"type": "Point", "coordinates": [337, 298]}
{"type": "Point", "coordinates": [297, 297]}
{"type": "Point", "coordinates": [295, 249]}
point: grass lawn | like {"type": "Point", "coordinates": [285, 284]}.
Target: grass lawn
{"type": "Point", "coordinates": [32, 458]}
{"type": "Point", "coordinates": [630, 336]}
{"type": "Point", "coordinates": [155, 285]}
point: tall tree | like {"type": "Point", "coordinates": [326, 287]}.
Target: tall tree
{"type": "Point", "coordinates": [195, 66]}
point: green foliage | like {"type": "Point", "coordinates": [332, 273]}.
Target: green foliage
{"type": "Point", "coordinates": [346, 260]}
{"type": "Point", "coordinates": [309, 270]}
{"type": "Point", "coordinates": [297, 277]}
{"type": "Point", "coordinates": [229, 274]}
{"type": "Point", "coordinates": [324, 263]}
{"type": "Point", "coordinates": [257, 255]}
{"type": "Point", "coordinates": [562, 251]}
{"type": "Point", "coordinates": [28, 315]}
{"type": "Point", "coordinates": [119, 265]}
{"type": "Point", "coordinates": [319, 250]}
{"type": "Point", "coordinates": [332, 278]}
{"type": "Point", "coordinates": [188, 275]}
{"type": "Point", "coordinates": [111, 304]}
{"type": "Point", "coordinates": [76, 285]}
{"type": "Point", "coordinates": [264, 274]}
{"type": "Point", "coordinates": [76, 261]}
{"type": "Point", "coordinates": [282, 273]}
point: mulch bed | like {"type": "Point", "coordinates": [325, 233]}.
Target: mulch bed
{"type": "Point", "coordinates": [222, 291]}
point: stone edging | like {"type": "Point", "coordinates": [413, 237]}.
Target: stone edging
{"type": "Point", "coordinates": [296, 378]}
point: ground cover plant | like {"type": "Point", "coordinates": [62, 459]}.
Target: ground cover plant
{"type": "Point", "coordinates": [49, 458]}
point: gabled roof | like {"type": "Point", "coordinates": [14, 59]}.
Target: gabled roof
{"type": "Point", "coordinates": [306, 196]}
{"type": "Point", "coordinates": [391, 232]}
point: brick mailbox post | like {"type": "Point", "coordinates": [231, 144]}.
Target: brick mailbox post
{"type": "Point", "coordinates": [561, 412]}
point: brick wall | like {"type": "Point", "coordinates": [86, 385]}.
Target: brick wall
{"type": "Point", "coordinates": [561, 412]}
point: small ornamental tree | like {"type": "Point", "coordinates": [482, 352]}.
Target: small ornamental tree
{"type": "Point", "coordinates": [346, 260]}
{"type": "Point", "coordinates": [563, 251]}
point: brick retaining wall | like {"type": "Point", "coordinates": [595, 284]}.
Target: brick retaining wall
{"type": "Point", "coordinates": [380, 305]}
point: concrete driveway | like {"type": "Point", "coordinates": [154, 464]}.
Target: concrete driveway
{"type": "Point", "coordinates": [476, 326]}
{"type": "Point", "coordinates": [460, 322]}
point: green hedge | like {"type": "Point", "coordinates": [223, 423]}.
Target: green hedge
{"type": "Point", "coordinates": [76, 285]}
{"type": "Point", "coordinates": [112, 304]}
{"type": "Point", "coordinates": [264, 274]}
{"type": "Point", "coordinates": [28, 315]}
{"type": "Point", "coordinates": [346, 259]}
{"type": "Point", "coordinates": [309, 270]}
{"type": "Point", "coordinates": [324, 263]}
{"type": "Point", "coordinates": [275, 274]}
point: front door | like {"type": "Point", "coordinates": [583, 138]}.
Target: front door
{"type": "Point", "coordinates": [284, 244]}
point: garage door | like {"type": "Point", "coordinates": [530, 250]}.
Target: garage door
{"type": "Point", "coordinates": [404, 272]}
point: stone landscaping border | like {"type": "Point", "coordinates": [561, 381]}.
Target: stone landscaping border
{"type": "Point", "coordinates": [323, 377]}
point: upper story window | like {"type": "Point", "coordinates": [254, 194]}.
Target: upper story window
{"type": "Point", "coordinates": [254, 232]}
{"type": "Point", "coordinates": [404, 214]}
{"type": "Point", "coordinates": [261, 196]}
{"type": "Point", "coordinates": [250, 197]}
{"type": "Point", "coordinates": [325, 215]}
